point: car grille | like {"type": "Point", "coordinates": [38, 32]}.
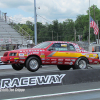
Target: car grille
{"type": "Point", "coordinates": [5, 54]}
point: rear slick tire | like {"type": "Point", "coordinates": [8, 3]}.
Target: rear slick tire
{"type": "Point", "coordinates": [63, 67]}
{"type": "Point", "coordinates": [17, 66]}
{"type": "Point", "coordinates": [81, 63]}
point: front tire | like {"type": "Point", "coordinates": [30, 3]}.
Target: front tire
{"type": "Point", "coordinates": [33, 64]}
{"type": "Point", "coordinates": [81, 63]}
{"type": "Point", "coordinates": [63, 67]}
{"type": "Point", "coordinates": [17, 66]}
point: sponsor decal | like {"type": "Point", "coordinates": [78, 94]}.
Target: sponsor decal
{"type": "Point", "coordinates": [60, 62]}
{"type": "Point", "coordinates": [95, 61]}
{"type": "Point", "coordinates": [90, 55]}
{"type": "Point", "coordinates": [87, 55]}
{"type": "Point", "coordinates": [67, 63]}
{"type": "Point", "coordinates": [67, 59]}
{"type": "Point", "coordinates": [20, 51]}
{"type": "Point", "coordinates": [30, 50]}
{"type": "Point", "coordinates": [21, 58]}
{"type": "Point", "coordinates": [21, 54]}
{"type": "Point", "coordinates": [64, 45]}
{"type": "Point", "coordinates": [60, 59]}
{"type": "Point", "coordinates": [47, 62]}
{"type": "Point", "coordinates": [28, 53]}
{"type": "Point", "coordinates": [76, 46]}
{"type": "Point", "coordinates": [21, 61]}
{"type": "Point", "coordinates": [53, 62]}
{"type": "Point", "coordinates": [47, 59]}
{"type": "Point", "coordinates": [90, 60]}
{"type": "Point", "coordinates": [25, 55]}
{"type": "Point", "coordinates": [16, 58]}
{"type": "Point", "coordinates": [31, 81]}
{"type": "Point", "coordinates": [35, 52]}
{"type": "Point", "coordinates": [72, 59]}
{"type": "Point", "coordinates": [43, 59]}
{"type": "Point", "coordinates": [85, 51]}
{"type": "Point", "coordinates": [83, 54]}
{"type": "Point", "coordinates": [42, 56]}
{"type": "Point", "coordinates": [53, 59]}
{"type": "Point", "coordinates": [94, 55]}
{"type": "Point", "coordinates": [71, 63]}
{"type": "Point", "coordinates": [78, 50]}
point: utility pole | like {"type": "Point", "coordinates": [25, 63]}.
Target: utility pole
{"type": "Point", "coordinates": [98, 32]}
{"type": "Point", "coordinates": [94, 12]}
{"type": "Point", "coordinates": [89, 22]}
{"type": "Point", "coordinates": [0, 13]}
{"type": "Point", "coordinates": [35, 23]}
{"type": "Point", "coordinates": [5, 17]}
{"type": "Point", "coordinates": [57, 36]}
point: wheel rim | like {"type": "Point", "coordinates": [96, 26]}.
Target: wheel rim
{"type": "Point", "coordinates": [82, 64]}
{"type": "Point", "coordinates": [33, 64]}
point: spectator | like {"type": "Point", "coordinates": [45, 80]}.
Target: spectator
{"type": "Point", "coordinates": [14, 47]}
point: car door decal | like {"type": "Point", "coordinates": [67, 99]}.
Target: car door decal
{"type": "Point", "coordinates": [50, 55]}
{"type": "Point", "coordinates": [62, 54]}
{"type": "Point", "coordinates": [71, 55]}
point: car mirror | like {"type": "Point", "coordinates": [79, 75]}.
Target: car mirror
{"type": "Point", "coordinates": [50, 49]}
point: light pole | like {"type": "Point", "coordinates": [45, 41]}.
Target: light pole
{"type": "Point", "coordinates": [98, 32]}
{"type": "Point", "coordinates": [89, 21]}
{"type": "Point", "coordinates": [75, 35]}
{"type": "Point", "coordinates": [35, 23]}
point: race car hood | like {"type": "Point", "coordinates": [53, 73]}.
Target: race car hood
{"type": "Point", "coordinates": [27, 50]}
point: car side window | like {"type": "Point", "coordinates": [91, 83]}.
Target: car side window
{"type": "Point", "coordinates": [71, 47]}
{"type": "Point", "coordinates": [59, 47]}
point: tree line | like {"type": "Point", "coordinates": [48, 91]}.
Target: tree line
{"type": "Point", "coordinates": [65, 31]}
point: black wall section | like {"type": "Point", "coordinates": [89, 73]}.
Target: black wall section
{"type": "Point", "coordinates": [32, 80]}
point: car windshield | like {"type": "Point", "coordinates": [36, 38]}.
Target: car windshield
{"type": "Point", "coordinates": [42, 45]}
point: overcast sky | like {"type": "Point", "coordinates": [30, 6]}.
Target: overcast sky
{"type": "Point", "coordinates": [23, 10]}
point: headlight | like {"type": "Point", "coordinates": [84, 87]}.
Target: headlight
{"type": "Point", "coordinates": [13, 54]}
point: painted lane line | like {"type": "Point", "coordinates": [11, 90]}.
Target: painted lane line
{"type": "Point", "coordinates": [56, 94]}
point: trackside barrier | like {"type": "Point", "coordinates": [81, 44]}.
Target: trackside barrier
{"type": "Point", "coordinates": [33, 80]}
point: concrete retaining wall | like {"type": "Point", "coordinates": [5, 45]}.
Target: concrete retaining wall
{"type": "Point", "coordinates": [32, 80]}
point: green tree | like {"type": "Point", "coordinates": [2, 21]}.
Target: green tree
{"type": "Point", "coordinates": [82, 26]}
{"type": "Point", "coordinates": [68, 30]}
{"type": "Point", "coordinates": [27, 29]}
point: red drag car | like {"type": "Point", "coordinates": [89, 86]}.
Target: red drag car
{"type": "Point", "coordinates": [65, 55]}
